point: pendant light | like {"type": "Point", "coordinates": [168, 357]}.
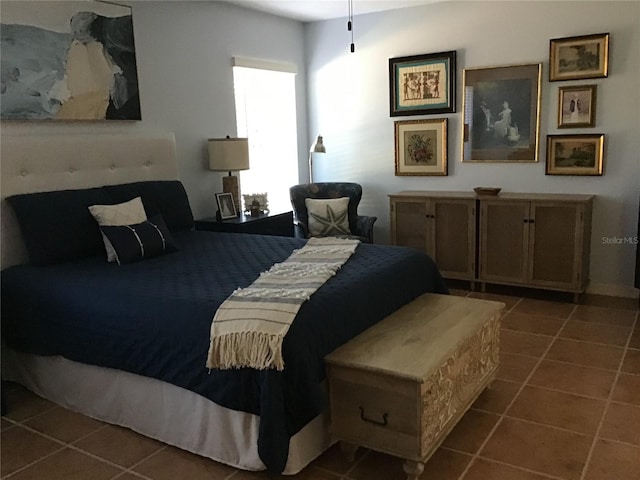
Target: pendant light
{"type": "Point", "coordinates": [350, 25]}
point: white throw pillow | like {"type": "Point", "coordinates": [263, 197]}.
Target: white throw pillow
{"type": "Point", "coordinates": [328, 217]}
{"type": "Point", "coordinates": [127, 213]}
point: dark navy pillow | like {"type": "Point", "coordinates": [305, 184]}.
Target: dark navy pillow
{"type": "Point", "coordinates": [141, 241]}
{"type": "Point", "coordinates": [57, 226]}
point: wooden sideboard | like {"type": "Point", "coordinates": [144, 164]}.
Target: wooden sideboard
{"type": "Point", "coordinates": [526, 239]}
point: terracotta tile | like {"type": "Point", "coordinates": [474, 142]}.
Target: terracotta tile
{"type": "Point", "coordinates": [558, 409]}
{"type": "Point", "coordinates": [523, 343]}
{"type": "Point", "coordinates": [508, 301]}
{"type": "Point", "coordinates": [611, 460]}
{"type": "Point", "coordinates": [542, 449]}
{"type": "Point", "coordinates": [596, 333]}
{"type": "Point", "coordinates": [68, 464]}
{"type": "Point", "coordinates": [309, 473]}
{"type": "Point", "coordinates": [583, 353]}
{"type": "Point", "coordinates": [127, 476]}
{"type": "Point", "coordinates": [445, 465]}
{"type": "Point", "coordinates": [119, 445]}
{"type": "Point", "coordinates": [532, 323]}
{"type": "Point", "coordinates": [497, 396]}
{"type": "Point", "coordinates": [471, 431]}
{"type": "Point", "coordinates": [483, 469]}
{"type": "Point", "coordinates": [64, 424]}
{"type": "Point", "coordinates": [515, 368]}
{"type": "Point", "coordinates": [592, 382]}
{"type": "Point", "coordinates": [22, 404]}
{"type": "Point", "coordinates": [631, 363]}
{"type": "Point", "coordinates": [336, 460]}
{"type": "Point", "coordinates": [634, 342]}
{"type": "Point", "coordinates": [607, 316]}
{"type": "Point", "coordinates": [544, 307]}
{"type": "Point", "coordinates": [621, 423]}
{"type": "Point", "coordinates": [173, 463]}
{"type": "Point", "coordinates": [378, 466]}
{"type": "Point", "coordinates": [20, 447]}
{"type": "Point", "coordinates": [627, 389]}
{"type": "Point", "coordinates": [610, 302]}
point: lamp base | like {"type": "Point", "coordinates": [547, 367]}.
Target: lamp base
{"type": "Point", "coordinates": [230, 185]}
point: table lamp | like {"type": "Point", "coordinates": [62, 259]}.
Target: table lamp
{"type": "Point", "coordinates": [229, 155]}
{"type": "Point", "coordinates": [316, 147]}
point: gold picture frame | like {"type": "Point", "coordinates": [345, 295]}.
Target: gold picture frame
{"type": "Point", "coordinates": [580, 154]}
{"type": "Point", "coordinates": [501, 113]}
{"type": "Point", "coordinates": [577, 106]}
{"type": "Point", "coordinates": [421, 147]}
{"type": "Point", "coordinates": [575, 58]}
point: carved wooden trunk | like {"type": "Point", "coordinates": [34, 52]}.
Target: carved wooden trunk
{"type": "Point", "coordinates": [402, 385]}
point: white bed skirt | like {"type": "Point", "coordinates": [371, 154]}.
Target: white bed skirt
{"type": "Point", "coordinates": [189, 421]}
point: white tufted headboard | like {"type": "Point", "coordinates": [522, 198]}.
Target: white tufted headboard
{"type": "Point", "coordinates": [40, 163]}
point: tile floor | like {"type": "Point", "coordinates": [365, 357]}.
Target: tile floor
{"type": "Point", "coordinates": [565, 406]}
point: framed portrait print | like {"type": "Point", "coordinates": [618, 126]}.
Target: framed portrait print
{"type": "Point", "coordinates": [422, 84]}
{"type": "Point", "coordinates": [574, 58]}
{"type": "Point", "coordinates": [501, 113]}
{"type": "Point", "coordinates": [575, 154]}
{"type": "Point", "coordinates": [577, 106]}
{"type": "Point", "coordinates": [421, 147]}
{"type": "Point", "coordinates": [226, 206]}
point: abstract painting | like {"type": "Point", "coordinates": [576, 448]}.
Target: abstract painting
{"type": "Point", "coordinates": [68, 61]}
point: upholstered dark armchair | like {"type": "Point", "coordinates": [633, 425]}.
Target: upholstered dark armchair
{"type": "Point", "coordinates": [359, 226]}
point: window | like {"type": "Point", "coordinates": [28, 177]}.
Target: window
{"type": "Point", "coordinates": [266, 114]}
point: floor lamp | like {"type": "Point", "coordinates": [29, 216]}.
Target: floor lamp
{"type": "Point", "coordinates": [316, 147]}
{"type": "Point", "coordinates": [229, 155]}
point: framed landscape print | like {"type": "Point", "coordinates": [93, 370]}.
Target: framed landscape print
{"type": "Point", "coordinates": [421, 147]}
{"type": "Point", "coordinates": [422, 84]}
{"type": "Point", "coordinates": [575, 154]}
{"type": "Point", "coordinates": [68, 60]}
{"type": "Point", "coordinates": [501, 113]}
{"type": "Point", "coordinates": [573, 58]}
{"type": "Point", "coordinates": [577, 106]}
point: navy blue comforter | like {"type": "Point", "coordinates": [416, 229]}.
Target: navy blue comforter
{"type": "Point", "coordinates": [153, 318]}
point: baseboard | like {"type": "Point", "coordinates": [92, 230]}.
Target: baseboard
{"type": "Point", "coordinates": [612, 290]}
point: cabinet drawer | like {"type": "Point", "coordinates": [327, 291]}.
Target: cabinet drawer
{"type": "Point", "coordinates": [381, 414]}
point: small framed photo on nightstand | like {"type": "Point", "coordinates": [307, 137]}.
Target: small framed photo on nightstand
{"type": "Point", "coordinates": [226, 207]}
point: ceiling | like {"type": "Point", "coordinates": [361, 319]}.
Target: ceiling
{"type": "Point", "coordinates": [314, 10]}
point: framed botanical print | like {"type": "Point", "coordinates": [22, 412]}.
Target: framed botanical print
{"type": "Point", "coordinates": [577, 106]}
{"type": "Point", "coordinates": [575, 154]}
{"type": "Point", "coordinates": [574, 58]}
{"type": "Point", "coordinates": [422, 84]}
{"type": "Point", "coordinates": [501, 113]}
{"type": "Point", "coordinates": [421, 147]}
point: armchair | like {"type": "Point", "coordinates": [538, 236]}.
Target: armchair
{"type": "Point", "coordinates": [360, 226]}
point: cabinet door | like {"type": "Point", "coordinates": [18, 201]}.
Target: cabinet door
{"type": "Point", "coordinates": [504, 241]}
{"type": "Point", "coordinates": [409, 224]}
{"type": "Point", "coordinates": [556, 239]}
{"type": "Point", "coordinates": [453, 237]}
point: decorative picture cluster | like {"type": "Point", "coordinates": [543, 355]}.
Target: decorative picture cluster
{"type": "Point", "coordinates": [501, 109]}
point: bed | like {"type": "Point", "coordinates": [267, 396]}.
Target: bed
{"type": "Point", "coordinates": [127, 344]}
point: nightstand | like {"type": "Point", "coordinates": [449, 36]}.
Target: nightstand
{"type": "Point", "coordinates": [266, 224]}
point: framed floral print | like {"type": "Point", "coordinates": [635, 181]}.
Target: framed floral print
{"type": "Point", "coordinates": [421, 147]}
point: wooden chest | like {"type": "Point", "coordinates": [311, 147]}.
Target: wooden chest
{"type": "Point", "coordinates": [402, 385]}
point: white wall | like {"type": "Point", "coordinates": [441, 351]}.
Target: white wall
{"type": "Point", "coordinates": [184, 52]}
{"type": "Point", "coordinates": [349, 106]}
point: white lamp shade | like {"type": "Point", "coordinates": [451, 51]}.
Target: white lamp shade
{"type": "Point", "coordinates": [228, 154]}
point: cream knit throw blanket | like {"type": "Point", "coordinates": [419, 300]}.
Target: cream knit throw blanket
{"type": "Point", "coordinates": [249, 327]}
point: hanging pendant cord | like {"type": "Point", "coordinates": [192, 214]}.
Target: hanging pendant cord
{"type": "Point", "coordinates": [350, 25]}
